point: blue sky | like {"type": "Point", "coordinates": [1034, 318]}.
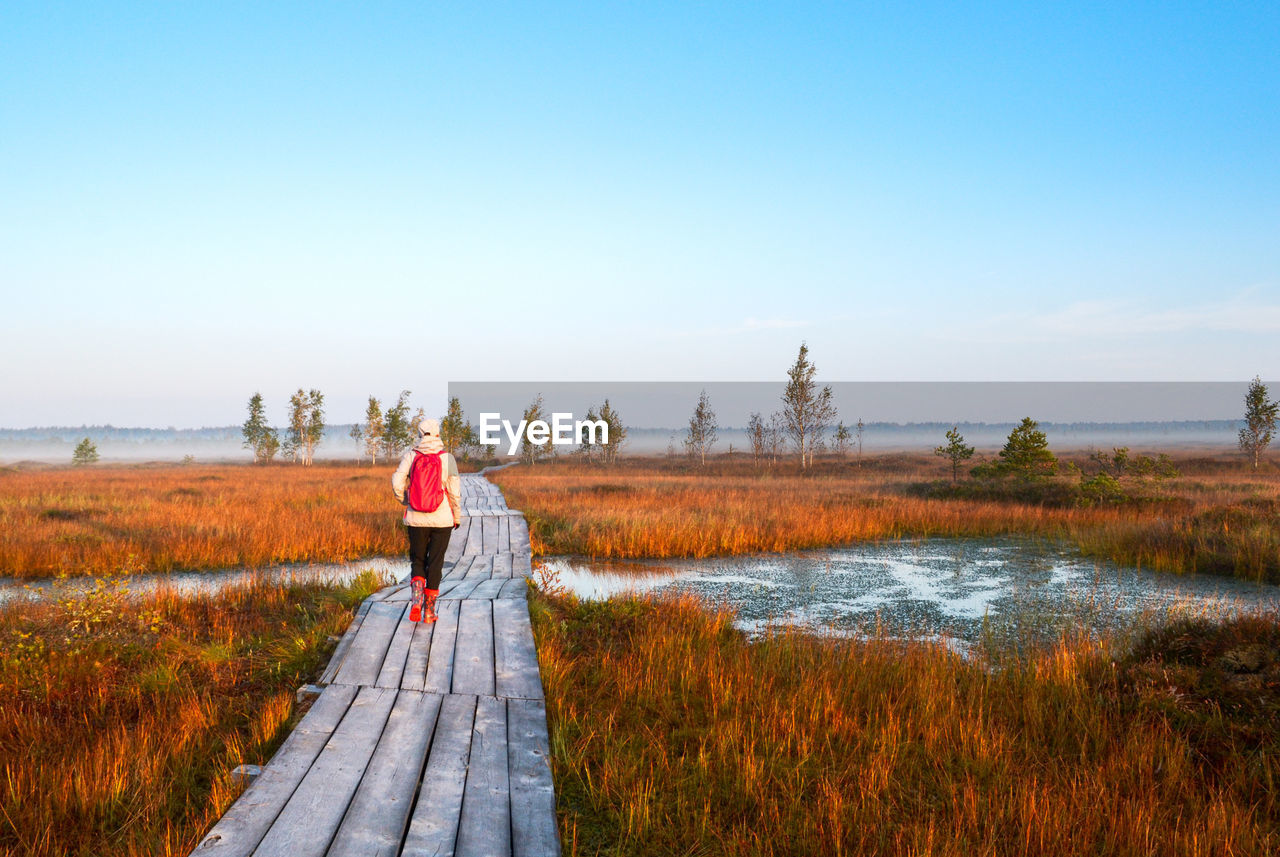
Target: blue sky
{"type": "Point", "coordinates": [198, 201]}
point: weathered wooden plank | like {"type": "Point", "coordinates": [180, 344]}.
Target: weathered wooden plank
{"type": "Point", "coordinates": [481, 567]}
{"type": "Point", "coordinates": [533, 797]}
{"type": "Point", "coordinates": [340, 652]}
{"type": "Point", "coordinates": [473, 659]}
{"type": "Point", "coordinates": [485, 824]}
{"type": "Point", "coordinates": [520, 535]}
{"type": "Point", "coordinates": [488, 588]}
{"type": "Point", "coordinates": [459, 569]}
{"type": "Point", "coordinates": [393, 664]}
{"type": "Point", "coordinates": [502, 564]}
{"type": "Point", "coordinates": [458, 541]}
{"type": "Point", "coordinates": [387, 591]}
{"type": "Point", "coordinates": [378, 816]}
{"type": "Point", "coordinates": [433, 832]}
{"type": "Point", "coordinates": [461, 589]}
{"type": "Point", "coordinates": [414, 676]}
{"type": "Point", "coordinates": [489, 535]}
{"type": "Point", "coordinates": [475, 538]}
{"type": "Point", "coordinates": [515, 657]}
{"type": "Point", "coordinates": [439, 675]}
{"type": "Point", "coordinates": [504, 534]}
{"type": "Point", "coordinates": [522, 565]}
{"type": "Point", "coordinates": [308, 822]}
{"type": "Point", "coordinates": [244, 825]}
{"type": "Point", "coordinates": [447, 586]}
{"type": "Point", "coordinates": [517, 587]}
{"type": "Point", "coordinates": [364, 658]}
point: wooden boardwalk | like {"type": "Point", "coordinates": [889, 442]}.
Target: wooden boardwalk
{"type": "Point", "coordinates": [426, 739]}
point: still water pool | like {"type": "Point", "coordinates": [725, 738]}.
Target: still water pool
{"type": "Point", "coordinates": [956, 591]}
{"type": "Point", "coordinates": [951, 590]}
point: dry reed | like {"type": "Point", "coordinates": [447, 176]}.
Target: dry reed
{"type": "Point", "coordinates": [122, 716]}
{"type": "Point", "coordinates": [671, 734]}
{"type": "Point", "coordinates": [1216, 519]}
{"type": "Point", "coordinates": [159, 518]}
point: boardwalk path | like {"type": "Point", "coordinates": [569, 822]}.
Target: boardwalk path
{"type": "Point", "coordinates": [427, 739]}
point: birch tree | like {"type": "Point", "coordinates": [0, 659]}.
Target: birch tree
{"type": "Point", "coordinates": [757, 436]}
{"type": "Point", "coordinates": [532, 450]}
{"type": "Point", "coordinates": [807, 410]}
{"type": "Point", "coordinates": [617, 433]}
{"type": "Point", "coordinates": [296, 430]}
{"type": "Point", "coordinates": [313, 427]}
{"type": "Point", "coordinates": [374, 430]}
{"type": "Point", "coordinates": [458, 435]}
{"type": "Point", "coordinates": [397, 432]}
{"type": "Point", "coordinates": [700, 436]}
{"type": "Point", "coordinates": [259, 437]}
{"type": "Point", "coordinates": [1259, 421]}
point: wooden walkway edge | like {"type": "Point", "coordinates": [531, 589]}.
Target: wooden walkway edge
{"type": "Point", "coordinates": [426, 739]}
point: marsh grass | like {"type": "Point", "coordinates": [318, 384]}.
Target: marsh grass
{"type": "Point", "coordinates": [671, 733]}
{"type": "Point", "coordinates": [1216, 518]}
{"type": "Point", "coordinates": [122, 715]}
{"type": "Point", "coordinates": [86, 521]}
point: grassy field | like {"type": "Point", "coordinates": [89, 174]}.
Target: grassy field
{"type": "Point", "coordinates": [123, 716]}
{"type": "Point", "coordinates": [163, 517]}
{"type": "Point", "coordinates": [1217, 517]}
{"type": "Point", "coordinates": [673, 735]}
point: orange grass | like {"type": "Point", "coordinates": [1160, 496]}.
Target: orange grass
{"type": "Point", "coordinates": [122, 717]}
{"type": "Point", "coordinates": [671, 734]}
{"type": "Point", "coordinates": [1218, 519]}
{"type": "Point", "coordinates": [159, 518]}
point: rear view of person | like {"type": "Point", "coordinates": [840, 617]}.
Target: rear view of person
{"type": "Point", "coordinates": [427, 484]}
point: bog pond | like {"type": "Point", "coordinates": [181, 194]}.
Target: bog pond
{"type": "Point", "coordinates": [956, 591]}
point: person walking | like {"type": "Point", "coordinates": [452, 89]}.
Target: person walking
{"type": "Point", "coordinates": [427, 484]}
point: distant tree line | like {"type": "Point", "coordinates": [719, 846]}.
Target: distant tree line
{"type": "Point", "coordinates": [800, 426]}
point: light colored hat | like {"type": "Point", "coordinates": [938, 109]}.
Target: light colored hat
{"type": "Point", "coordinates": [429, 427]}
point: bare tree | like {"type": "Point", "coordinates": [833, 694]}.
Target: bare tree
{"type": "Point", "coordinates": [357, 437]}
{"type": "Point", "coordinates": [701, 434]}
{"type": "Point", "coordinates": [757, 434]}
{"type": "Point", "coordinates": [807, 411]}
{"type": "Point", "coordinates": [775, 434]}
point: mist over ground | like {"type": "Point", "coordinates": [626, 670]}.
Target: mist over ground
{"type": "Point", "coordinates": [54, 445]}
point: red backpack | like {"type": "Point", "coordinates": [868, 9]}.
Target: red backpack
{"type": "Point", "coordinates": [426, 491]}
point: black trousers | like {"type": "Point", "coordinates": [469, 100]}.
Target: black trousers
{"type": "Point", "coordinates": [426, 552]}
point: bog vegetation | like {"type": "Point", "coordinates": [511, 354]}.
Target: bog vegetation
{"type": "Point", "coordinates": [672, 734]}
{"type": "Point", "coordinates": [159, 518]}
{"type": "Point", "coordinates": [1216, 515]}
{"type": "Point", "coordinates": [123, 715]}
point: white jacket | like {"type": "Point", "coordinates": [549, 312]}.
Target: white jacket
{"type": "Point", "coordinates": [449, 513]}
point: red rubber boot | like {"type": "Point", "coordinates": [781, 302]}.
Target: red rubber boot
{"type": "Point", "coordinates": [429, 609]}
{"type": "Point", "coordinates": [419, 594]}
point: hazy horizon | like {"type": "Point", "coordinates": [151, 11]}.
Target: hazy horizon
{"type": "Point", "coordinates": [208, 200]}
